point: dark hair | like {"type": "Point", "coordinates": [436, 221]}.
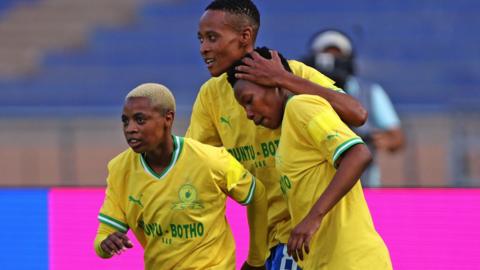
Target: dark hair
{"type": "Point", "coordinates": [244, 8]}
{"type": "Point", "coordinates": [265, 53]}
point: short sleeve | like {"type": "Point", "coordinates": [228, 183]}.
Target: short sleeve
{"type": "Point", "coordinates": [111, 212]}
{"type": "Point", "coordinates": [330, 135]}
{"type": "Point", "coordinates": [236, 181]}
{"type": "Point", "coordinates": [383, 110]}
{"type": "Point", "coordinates": [202, 127]}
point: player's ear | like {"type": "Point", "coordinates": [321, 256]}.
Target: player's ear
{"type": "Point", "coordinates": [169, 117]}
{"type": "Point", "coordinates": [247, 35]}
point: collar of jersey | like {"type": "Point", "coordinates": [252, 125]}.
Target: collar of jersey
{"type": "Point", "coordinates": [177, 149]}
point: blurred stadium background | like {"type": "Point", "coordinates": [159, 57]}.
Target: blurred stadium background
{"type": "Point", "coordinates": [65, 66]}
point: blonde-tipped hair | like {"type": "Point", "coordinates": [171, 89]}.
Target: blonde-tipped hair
{"type": "Point", "coordinates": [159, 95]}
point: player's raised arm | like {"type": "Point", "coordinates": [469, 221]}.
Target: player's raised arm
{"type": "Point", "coordinates": [348, 108]}
{"type": "Point", "coordinates": [270, 72]}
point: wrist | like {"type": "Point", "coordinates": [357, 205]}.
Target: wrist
{"type": "Point", "coordinates": [318, 213]}
{"type": "Point", "coordinates": [254, 263]}
{"type": "Point", "coordinates": [282, 80]}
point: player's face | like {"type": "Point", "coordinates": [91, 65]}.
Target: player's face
{"type": "Point", "coordinates": [263, 105]}
{"type": "Point", "coordinates": [145, 129]}
{"type": "Point", "coordinates": [220, 44]}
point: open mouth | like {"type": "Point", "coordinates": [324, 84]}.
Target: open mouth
{"type": "Point", "coordinates": [134, 143]}
{"type": "Point", "coordinates": [209, 62]}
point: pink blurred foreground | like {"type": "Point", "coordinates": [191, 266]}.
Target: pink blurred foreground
{"type": "Point", "coordinates": [423, 229]}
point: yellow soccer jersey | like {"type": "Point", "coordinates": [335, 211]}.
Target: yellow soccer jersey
{"type": "Point", "coordinates": [313, 138]}
{"type": "Point", "coordinates": [218, 119]}
{"type": "Point", "coordinates": [178, 216]}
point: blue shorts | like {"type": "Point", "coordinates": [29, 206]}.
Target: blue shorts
{"type": "Point", "coordinates": [279, 259]}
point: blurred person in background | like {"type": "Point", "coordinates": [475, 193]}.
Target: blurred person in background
{"type": "Point", "coordinates": [171, 192]}
{"type": "Point", "coordinates": [333, 54]}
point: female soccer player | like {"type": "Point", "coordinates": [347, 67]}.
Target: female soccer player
{"type": "Point", "coordinates": [320, 160]}
{"type": "Point", "coordinates": [227, 30]}
{"type": "Point", "coordinates": [171, 192]}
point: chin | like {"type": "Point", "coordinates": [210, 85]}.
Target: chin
{"type": "Point", "coordinates": [275, 125]}
{"type": "Point", "coordinates": [215, 73]}
{"type": "Point", "coordinates": [137, 150]}
{"type": "Point", "coordinates": [270, 126]}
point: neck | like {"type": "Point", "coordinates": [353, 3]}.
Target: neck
{"type": "Point", "coordinates": [159, 158]}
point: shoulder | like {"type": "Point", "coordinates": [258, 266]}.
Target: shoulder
{"type": "Point", "coordinates": [378, 95]}
{"type": "Point", "coordinates": [302, 108]}
{"type": "Point", "coordinates": [215, 91]}
{"type": "Point", "coordinates": [306, 102]}
{"type": "Point", "coordinates": [204, 154]}
{"type": "Point", "coordinates": [207, 158]}
{"type": "Point", "coordinates": [299, 68]}
{"type": "Point", "coordinates": [366, 84]}
{"type": "Point", "coordinates": [122, 159]}
{"type": "Point", "coordinates": [215, 85]}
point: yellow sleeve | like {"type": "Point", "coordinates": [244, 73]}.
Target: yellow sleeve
{"type": "Point", "coordinates": [111, 212]}
{"type": "Point", "coordinates": [238, 183]}
{"type": "Point", "coordinates": [112, 217]}
{"type": "Point", "coordinates": [241, 185]}
{"type": "Point", "coordinates": [330, 134]}
{"type": "Point", "coordinates": [313, 75]}
{"type": "Point", "coordinates": [202, 127]}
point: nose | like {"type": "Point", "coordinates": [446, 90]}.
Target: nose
{"type": "Point", "coordinates": [130, 127]}
{"type": "Point", "coordinates": [204, 48]}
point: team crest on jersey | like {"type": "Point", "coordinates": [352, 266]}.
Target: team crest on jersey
{"type": "Point", "coordinates": [188, 197]}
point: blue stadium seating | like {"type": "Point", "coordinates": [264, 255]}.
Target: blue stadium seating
{"type": "Point", "coordinates": [6, 5]}
{"type": "Point", "coordinates": [425, 53]}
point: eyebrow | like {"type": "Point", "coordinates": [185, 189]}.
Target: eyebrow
{"type": "Point", "coordinates": [139, 114]}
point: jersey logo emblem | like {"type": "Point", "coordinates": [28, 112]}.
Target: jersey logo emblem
{"type": "Point", "coordinates": [225, 120]}
{"type": "Point", "coordinates": [333, 136]}
{"type": "Point", "coordinates": [188, 198]}
{"type": "Point", "coordinates": [136, 201]}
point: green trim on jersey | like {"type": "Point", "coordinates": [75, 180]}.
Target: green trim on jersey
{"type": "Point", "coordinates": [249, 197]}
{"type": "Point", "coordinates": [177, 149]}
{"type": "Point", "coordinates": [122, 227]}
{"type": "Point", "coordinates": [344, 147]}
